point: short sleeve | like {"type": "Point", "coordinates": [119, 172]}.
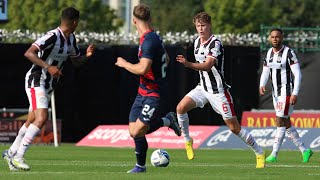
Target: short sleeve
{"type": "Point", "coordinates": [75, 50]}
{"type": "Point", "coordinates": [215, 49]}
{"type": "Point", "coordinates": [148, 49]}
{"type": "Point", "coordinates": [45, 41]}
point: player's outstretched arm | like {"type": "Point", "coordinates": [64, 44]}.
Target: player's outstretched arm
{"type": "Point", "coordinates": [140, 68]}
{"type": "Point", "coordinates": [90, 50]}
{"type": "Point", "coordinates": [206, 66]}
{"type": "Point", "coordinates": [181, 59]}
{"type": "Point", "coordinates": [80, 60]}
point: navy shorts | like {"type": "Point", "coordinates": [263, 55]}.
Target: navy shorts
{"type": "Point", "coordinates": [145, 108]}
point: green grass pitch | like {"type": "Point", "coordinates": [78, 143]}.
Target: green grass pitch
{"type": "Point", "coordinates": [94, 163]}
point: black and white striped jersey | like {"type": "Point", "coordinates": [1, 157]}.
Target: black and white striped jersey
{"type": "Point", "coordinates": [54, 49]}
{"type": "Point", "coordinates": [211, 81]}
{"type": "Point", "coordinates": [280, 67]}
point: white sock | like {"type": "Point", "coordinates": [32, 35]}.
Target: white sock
{"type": "Point", "coordinates": [183, 120]}
{"type": "Point", "coordinates": [278, 139]}
{"type": "Point", "coordinates": [16, 143]}
{"type": "Point", "coordinates": [293, 135]}
{"type": "Point", "coordinates": [250, 141]}
{"type": "Point", "coordinates": [32, 131]}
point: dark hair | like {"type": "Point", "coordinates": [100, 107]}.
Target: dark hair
{"type": "Point", "coordinates": [202, 17]}
{"type": "Point", "coordinates": [142, 12]}
{"type": "Point", "coordinates": [70, 14]}
{"type": "Point", "coordinates": [276, 29]}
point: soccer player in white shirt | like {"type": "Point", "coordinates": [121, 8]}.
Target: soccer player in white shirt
{"type": "Point", "coordinates": [282, 66]}
{"type": "Point", "coordinates": [48, 55]}
{"type": "Point", "coordinates": [212, 88]}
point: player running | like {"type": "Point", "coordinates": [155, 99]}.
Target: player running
{"type": "Point", "coordinates": [149, 107]}
{"type": "Point", "coordinates": [48, 55]}
{"type": "Point", "coordinates": [212, 88]}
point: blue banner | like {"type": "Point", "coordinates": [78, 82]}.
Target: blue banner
{"type": "Point", "coordinates": [3, 10]}
{"type": "Point", "coordinates": [224, 138]}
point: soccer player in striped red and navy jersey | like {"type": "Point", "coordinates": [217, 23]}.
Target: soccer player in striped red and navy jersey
{"type": "Point", "coordinates": [212, 88]}
{"type": "Point", "coordinates": [48, 55]}
{"type": "Point", "coordinates": [282, 66]}
{"type": "Point", "coordinates": [148, 109]}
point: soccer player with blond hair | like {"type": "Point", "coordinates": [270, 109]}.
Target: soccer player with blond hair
{"type": "Point", "coordinates": [212, 88]}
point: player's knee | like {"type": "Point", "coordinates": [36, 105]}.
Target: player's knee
{"type": "Point", "coordinates": [180, 109]}
{"type": "Point", "coordinates": [235, 129]}
{"type": "Point", "coordinates": [131, 133]}
{"type": "Point", "coordinates": [40, 122]}
{"type": "Point", "coordinates": [135, 134]}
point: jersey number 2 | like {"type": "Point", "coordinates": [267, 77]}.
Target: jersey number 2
{"type": "Point", "coordinates": [164, 65]}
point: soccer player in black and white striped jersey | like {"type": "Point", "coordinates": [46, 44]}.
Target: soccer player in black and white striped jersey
{"type": "Point", "coordinates": [48, 55]}
{"type": "Point", "coordinates": [212, 88]}
{"type": "Point", "coordinates": [282, 66]}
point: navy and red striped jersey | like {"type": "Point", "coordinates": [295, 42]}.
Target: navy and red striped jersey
{"type": "Point", "coordinates": [153, 83]}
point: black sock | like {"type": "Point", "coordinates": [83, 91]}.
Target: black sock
{"type": "Point", "coordinates": [155, 124]}
{"type": "Point", "coordinates": [141, 150]}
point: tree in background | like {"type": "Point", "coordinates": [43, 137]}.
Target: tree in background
{"type": "Point", "coordinates": [245, 16]}
{"type": "Point", "coordinates": [174, 16]}
{"type": "Point", "coordinates": [237, 16]}
{"type": "Point", "coordinates": [302, 13]}
{"type": "Point", "coordinates": [228, 16]}
{"type": "Point", "coordinates": [41, 15]}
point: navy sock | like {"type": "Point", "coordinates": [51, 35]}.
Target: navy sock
{"type": "Point", "coordinates": [155, 124]}
{"type": "Point", "coordinates": [141, 150]}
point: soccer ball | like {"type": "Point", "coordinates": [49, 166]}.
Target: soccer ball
{"type": "Point", "coordinates": [160, 158]}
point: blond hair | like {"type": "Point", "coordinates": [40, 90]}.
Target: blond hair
{"type": "Point", "coordinates": [202, 17]}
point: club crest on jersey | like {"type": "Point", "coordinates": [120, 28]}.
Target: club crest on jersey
{"type": "Point", "coordinates": [278, 59]}
{"type": "Point", "coordinates": [204, 52]}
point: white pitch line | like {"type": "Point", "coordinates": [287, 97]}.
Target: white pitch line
{"type": "Point", "coordinates": [128, 164]}
{"type": "Point", "coordinates": [247, 165]}
{"type": "Point", "coordinates": [65, 172]}
{"type": "Point", "coordinates": [313, 174]}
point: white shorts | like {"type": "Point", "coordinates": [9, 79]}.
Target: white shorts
{"type": "Point", "coordinates": [282, 106]}
{"type": "Point", "coordinates": [222, 103]}
{"type": "Point", "coordinates": [38, 98]}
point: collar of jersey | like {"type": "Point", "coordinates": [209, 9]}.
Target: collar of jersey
{"type": "Point", "coordinates": [207, 41]}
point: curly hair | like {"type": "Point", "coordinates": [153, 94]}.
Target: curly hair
{"type": "Point", "coordinates": [202, 17]}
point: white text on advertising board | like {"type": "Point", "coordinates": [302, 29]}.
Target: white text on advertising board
{"type": "Point", "coordinates": [113, 134]}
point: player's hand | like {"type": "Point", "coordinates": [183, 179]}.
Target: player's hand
{"type": "Point", "coordinates": [181, 59]}
{"type": "Point", "coordinates": [90, 50]}
{"type": "Point", "coordinates": [262, 90]}
{"type": "Point", "coordinates": [293, 99]}
{"type": "Point", "coordinates": [121, 62]}
{"type": "Point", "coordinates": [55, 71]}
